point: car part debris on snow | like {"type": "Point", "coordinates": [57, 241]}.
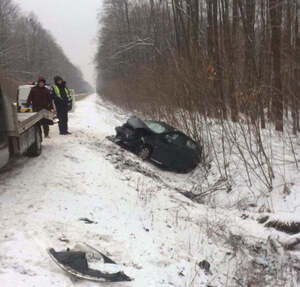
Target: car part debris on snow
{"type": "Point", "coordinates": [205, 265]}
{"type": "Point", "coordinates": [77, 262]}
{"type": "Point", "coordinates": [64, 239]}
{"type": "Point", "coordinates": [87, 221]}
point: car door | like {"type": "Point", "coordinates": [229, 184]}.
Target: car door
{"type": "Point", "coordinates": [184, 157]}
{"type": "Point", "coordinates": [192, 152]}
{"type": "Point", "coordinates": [170, 150]}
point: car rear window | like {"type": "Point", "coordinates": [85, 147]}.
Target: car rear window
{"type": "Point", "coordinates": [155, 127]}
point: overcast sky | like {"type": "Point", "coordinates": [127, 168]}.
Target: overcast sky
{"type": "Point", "coordinates": [74, 25]}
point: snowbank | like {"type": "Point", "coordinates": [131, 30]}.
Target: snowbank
{"type": "Point", "coordinates": [140, 219]}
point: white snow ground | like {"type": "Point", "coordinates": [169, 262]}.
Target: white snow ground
{"type": "Point", "coordinates": [142, 222]}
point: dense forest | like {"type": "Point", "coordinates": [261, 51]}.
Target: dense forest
{"type": "Point", "coordinates": [225, 59]}
{"type": "Point", "coordinates": [28, 51]}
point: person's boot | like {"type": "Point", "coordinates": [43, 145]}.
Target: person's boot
{"type": "Point", "coordinates": [65, 133]}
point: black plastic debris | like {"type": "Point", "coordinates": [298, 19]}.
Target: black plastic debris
{"type": "Point", "coordinates": [205, 265]}
{"type": "Point", "coordinates": [75, 262]}
{"type": "Point", "coordinates": [87, 221]}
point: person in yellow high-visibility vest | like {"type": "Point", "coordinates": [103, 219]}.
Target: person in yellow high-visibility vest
{"type": "Point", "coordinates": [63, 103]}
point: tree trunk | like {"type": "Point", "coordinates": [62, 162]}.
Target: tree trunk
{"type": "Point", "coordinates": [230, 33]}
{"type": "Point", "coordinates": [276, 20]}
{"type": "Point", "coordinates": [219, 78]}
{"type": "Point", "coordinates": [262, 64]}
{"type": "Point", "coordinates": [248, 16]}
{"type": "Point", "coordinates": [295, 108]}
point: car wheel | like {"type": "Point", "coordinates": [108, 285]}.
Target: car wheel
{"type": "Point", "coordinates": [144, 152]}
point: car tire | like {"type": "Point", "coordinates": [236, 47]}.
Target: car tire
{"type": "Point", "coordinates": [144, 152]}
{"type": "Point", "coordinates": [36, 149]}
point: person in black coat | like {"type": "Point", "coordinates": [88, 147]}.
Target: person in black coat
{"type": "Point", "coordinates": [63, 103]}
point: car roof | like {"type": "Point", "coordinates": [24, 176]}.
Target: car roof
{"type": "Point", "coordinates": [170, 129]}
{"type": "Point", "coordinates": [26, 86]}
{"type": "Point", "coordinates": [138, 123]}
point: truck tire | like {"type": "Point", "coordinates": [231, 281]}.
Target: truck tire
{"type": "Point", "coordinates": [36, 148]}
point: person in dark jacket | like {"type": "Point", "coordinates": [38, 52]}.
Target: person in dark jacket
{"type": "Point", "coordinates": [63, 102]}
{"type": "Point", "coordinates": [39, 98]}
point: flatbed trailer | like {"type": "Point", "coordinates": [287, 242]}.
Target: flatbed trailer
{"type": "Point", "coordinates": [26, 120]}
{"type": "Point", "coordinates": [20, 133]}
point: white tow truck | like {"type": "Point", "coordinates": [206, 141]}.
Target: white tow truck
{"type": "Point", "coordinates": [20, 133]}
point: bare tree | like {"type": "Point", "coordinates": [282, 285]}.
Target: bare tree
{"type": "Point", "coordinates": [27, 50]}
{"type": "Point", "coordinates": [213, 56]}
{"type": "Point", "coordinates": [276, 20]}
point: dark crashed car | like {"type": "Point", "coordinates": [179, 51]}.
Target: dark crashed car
{"type": "Point", "coordinates": [160, 143]}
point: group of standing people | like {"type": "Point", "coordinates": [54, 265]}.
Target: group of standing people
{"type": "Point", "coordinates": [40, 97]}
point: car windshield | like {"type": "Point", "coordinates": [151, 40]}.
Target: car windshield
{"type": "Point", "coordinates": [155, 127]}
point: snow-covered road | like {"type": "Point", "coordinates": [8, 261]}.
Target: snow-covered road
{"type": "Point", "coordinates": [158, 235]}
